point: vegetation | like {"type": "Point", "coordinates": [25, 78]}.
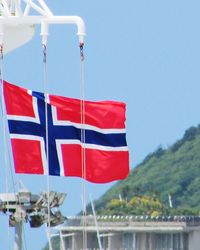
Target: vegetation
{"type": "Point", "coordinates": [174, 171]}
{"type": "Point", "coordinates": [138, 205]}
{"type": "Point", "coordinates": [143, 205]}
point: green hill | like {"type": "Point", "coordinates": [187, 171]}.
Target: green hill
{"type": "Point", "coordinates": [174, 171]}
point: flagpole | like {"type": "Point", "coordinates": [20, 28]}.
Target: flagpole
{"type": "Point", "coordinates": [18, 236]}
{"type": "Point", "coordinates": [96, 223]}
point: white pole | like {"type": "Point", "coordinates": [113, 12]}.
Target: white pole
{"type": "Point", "coordinates": [62, 243]}
{"type": "Point", "coordinates": [45, 7]}
{"type": "Point", "coordinates": [170, 201]}
{"type": "Point", "coordinates": [96, 223]}
{"type": "Point", "coordinates": [18, 236]}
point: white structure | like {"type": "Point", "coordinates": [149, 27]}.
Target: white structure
{"type": "Point", "coordinates": [18, 18]}
{"type": "Point", "coordinates": [26, 207]}
{"type": "Point", "coordinates": [133, 233]}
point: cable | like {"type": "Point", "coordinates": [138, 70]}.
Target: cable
{"type": "Point", "coordinates": [24, 237]}
{"type": "Point", "coordinates": [5, 145]}
{"type": "Point", "coordinates": [83, 155]}
{"type": "Point", "coordinates": [47, 140]}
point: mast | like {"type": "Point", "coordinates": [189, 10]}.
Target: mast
{"type": "Point", "coordinates": [17, 27]}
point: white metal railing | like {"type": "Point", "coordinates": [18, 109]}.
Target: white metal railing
{"type": "Point", "coordinates": [16, 15]}
{"type": "Point", "coordinates": [77, 220]}
{"type": "Point", "coordinates": [16, 8]}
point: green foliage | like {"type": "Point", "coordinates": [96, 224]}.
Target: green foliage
{"type": "Point", "coordinates": [116, 206]}
{"type": "Point", "coordinates": [144, 205]}
{"type": "Point", "coordinates": [174, 171]}
{"type": "Point", "coordinates": [185, 211]}
{"type": "Point", "coordinates": [189, 135]}
{"type": "Point", "coordinates": [137, 205]}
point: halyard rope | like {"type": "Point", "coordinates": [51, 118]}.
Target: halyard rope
{"type": "Point", "coordinates": [47, 141]}
{"type": "Point", "coordinates": [5, 146]}
{"type": "Point", "coordinates": [83, 155]}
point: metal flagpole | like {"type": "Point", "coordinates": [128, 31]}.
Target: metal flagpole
{"type": "Point", "coordinates": [18, 236]}
{"type": "Point", "coordinates": [96, 223]}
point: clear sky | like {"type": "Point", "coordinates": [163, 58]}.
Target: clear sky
{"type": "Point", "coordinates": [145, 53]}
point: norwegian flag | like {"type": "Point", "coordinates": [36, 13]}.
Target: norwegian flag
{"type": "Point", "coordinates": [105, 148]}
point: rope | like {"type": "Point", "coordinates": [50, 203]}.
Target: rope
{"type": "Point", "coordinates": [47, 140]}
{"type": "Point", "coordinates": [83, 156]}
{"type": "Point", "coordinates": [4, 133]}
{"type": "Point", "coordinates": [24, 237]}
{"type": "Point", "coordinates": [7, 155]}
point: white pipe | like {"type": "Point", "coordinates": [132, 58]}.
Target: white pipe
{"type": "Point", "coordinates": [45, 7]}
{"type": "Point", "coordinates": [45, 21]}
{"type": "Point", "coordinates": [12, 7]}
{"type": "Point", "coordinates": [29, 20]}
{"type": "Point", "coordinates": [27, 9]}
{"type": "Point", "coordinates": [49, 20]}
{"type": "Point", "coordinates": [5, 8]}
{"type": "Point", "coordinates": [38, 9]}
{"type": "Point", "coordinates": [96, 223]}
{"type": "Point", "coordinates": [18, 10]}
{"type": "Point", "coordinates": [1, 34]}
{"type": "Point", "coordinates": [18, 236]}
{"type": "Point", "coordinates": [69, 20]}
{"type": "Point", "coordinates": [62, 243]}
{"type": "Point", "coordinates": [2, 10]}
{"type": "Point", "coordinates": [14, 20]}
{"type": "Point", "coordinates": [44, 32]}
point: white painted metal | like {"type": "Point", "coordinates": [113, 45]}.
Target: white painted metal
{"type": "Point", "coordinates": [37, 8]}
{"type": "Point", "coordinates": [96, 223]}
{"type": "Point", "coordinates": [62, 243]}
{"type": "Point", "coordinates": [5, 8]}
{"type": "Point", "coordinates": [17, 8]}
{"type": "Point", "coordinates": [16, 36]}
{"type": "Point", "coordinates": [26, 207]}
{"type": "Point", "coordinates": [18, 236]}
{"type": "Point", "coordinates": [17, 25]}
{"type": "Point", "coordinates": [45, 7]}
{"type": "Point", "coordinates": [63, 20]}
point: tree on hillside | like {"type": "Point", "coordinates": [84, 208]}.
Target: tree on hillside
{"type": "Point", "coordinates": [146, 205]}
{"type": "Point", "coordinates": [138, 205]}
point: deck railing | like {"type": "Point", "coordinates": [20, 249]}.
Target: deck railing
{"type": "Point", "coordinates": [128, 220]}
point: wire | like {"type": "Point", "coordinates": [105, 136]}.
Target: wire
{"type": "Point", "coordinates": [24, 237]}
{"type": "Point", "coordinates": [47, 141]}
{"type": "Point", "coordinates": [5, 144]}
{"type": "Point", "coordinates": [83, 155]}
{"type": "Point", "coordinates": [7, 154]}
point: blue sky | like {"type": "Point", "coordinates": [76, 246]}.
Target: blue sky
{"type": "Point", "coordinates": [145, 53]}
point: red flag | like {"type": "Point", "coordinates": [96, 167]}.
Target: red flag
{"type": "Point", "coordinates": [103, 140]}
